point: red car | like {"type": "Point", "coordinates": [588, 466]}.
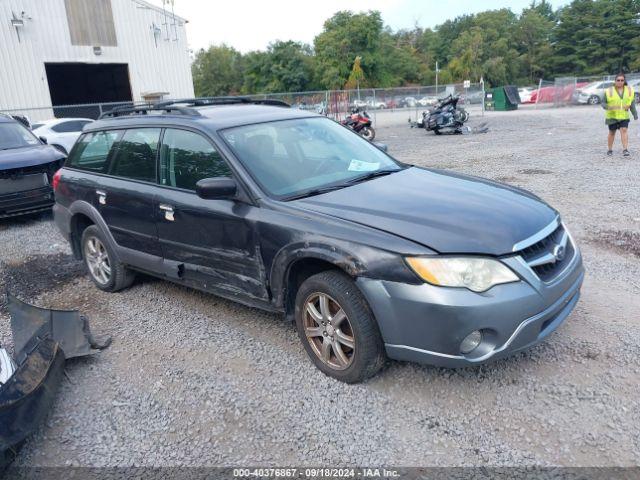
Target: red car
{"type": "Point", "coordinates": [553, 94]}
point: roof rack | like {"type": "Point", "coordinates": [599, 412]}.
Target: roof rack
{"type": "Point", "coordinates": [205, 101]}
{"type": "Point", "coordinates": [145, 109]}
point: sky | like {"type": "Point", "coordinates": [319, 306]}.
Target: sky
{"type": "Point", "coordinates": [253, 25]}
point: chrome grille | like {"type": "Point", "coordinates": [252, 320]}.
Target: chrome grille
{"type": "Point", "coordinates": [551, 255]}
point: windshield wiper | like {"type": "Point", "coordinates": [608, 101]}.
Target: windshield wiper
{"type": "Point", "coordinates": [316, 191]}
{"type": "Point", "coordinates": [370, 175]}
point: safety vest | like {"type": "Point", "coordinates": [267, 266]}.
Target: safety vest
{"type": "Point", "coordinates": [616, 105]}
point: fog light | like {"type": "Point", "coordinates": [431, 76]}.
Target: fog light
{"type": "Point", "coordinates": [471, 342]}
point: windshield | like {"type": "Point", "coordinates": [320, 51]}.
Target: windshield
{"type": "Point", "coordinates": [292, 157]}
{"type": "Point", "coordinates": [14, 135]}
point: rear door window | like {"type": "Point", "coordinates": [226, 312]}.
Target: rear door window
{"type": "Point", "coordinates": [92, 150]}
{"type": "Point", "coordinates": [187, 157]}
{"type": "Point", "coordinates": [136, 155]}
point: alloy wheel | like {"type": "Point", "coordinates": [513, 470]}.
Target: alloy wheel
{"type": "Point", "coordinates": [328, 331]}
{"type": "Point", "coordinates": [97, 260]}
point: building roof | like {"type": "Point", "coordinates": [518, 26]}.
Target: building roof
{"type": "Point", "coordinates": [151, 6]}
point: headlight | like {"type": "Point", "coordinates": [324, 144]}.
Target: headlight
{"type": "Point", "coordinates": [476, 274]}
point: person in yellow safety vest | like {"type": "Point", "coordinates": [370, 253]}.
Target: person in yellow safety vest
{"type": "Point", "coordinates": [618, 102]}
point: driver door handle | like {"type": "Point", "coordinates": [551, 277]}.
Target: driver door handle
{"type": "Point", "coordinates": [102, 197]}
{"type": "Point", "coordinates": [168, 212]}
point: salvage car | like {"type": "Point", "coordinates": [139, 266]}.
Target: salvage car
{"type": "Point", "coordinates": [288, 211]}
{"type": "Point", "coordinates": [27, 166]}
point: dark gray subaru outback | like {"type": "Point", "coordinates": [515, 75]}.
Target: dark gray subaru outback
{"type": "Point", "coordinates": [290, 212]}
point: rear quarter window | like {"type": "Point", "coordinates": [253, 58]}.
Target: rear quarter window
{"type": "Point", "coordinates": [92, 151]}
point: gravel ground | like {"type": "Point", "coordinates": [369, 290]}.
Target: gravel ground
{"type": "Point", "coordinates": [191, 379]}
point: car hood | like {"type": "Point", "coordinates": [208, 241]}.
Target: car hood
{"type": "Point", "coordinates": [28, 156]}
{"type": "Point", "coordinates": [447, 212]}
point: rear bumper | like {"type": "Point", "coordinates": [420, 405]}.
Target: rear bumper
{"type": "Point", "coordinates": [426, 324]}
{"type": "Point", "coordinates": [29, 201]}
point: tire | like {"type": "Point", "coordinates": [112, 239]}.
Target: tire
{"type": "Point", "coordinates": [593, 100]}
{"type": "Point", "coordinates": [97, 253]}
{"type": "Point", "coordinates": [356, 327]}
{"type": "Point", "coordinates": [368, 133]}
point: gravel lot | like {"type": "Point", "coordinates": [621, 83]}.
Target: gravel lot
{"type": "Point", "coordinates": [192, 379]}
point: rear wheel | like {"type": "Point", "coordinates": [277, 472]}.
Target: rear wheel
{"type": "Point", "coordinates": [105, 270]}
{"type": "Point", "coordinates": [369, 133]}
{"type": "Point", "coordinates": [337, 328]}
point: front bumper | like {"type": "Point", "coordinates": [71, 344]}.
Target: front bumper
{"type": "Point", "coordinates": [426, 324]}
{"type": "Point", "coordinates": [29, 201]}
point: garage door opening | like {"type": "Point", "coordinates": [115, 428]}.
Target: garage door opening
{"type": "Point", "coordinates": [78, 83]}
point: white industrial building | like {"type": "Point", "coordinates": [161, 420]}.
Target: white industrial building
{"type": "Point", "coordinates": [68, 52]}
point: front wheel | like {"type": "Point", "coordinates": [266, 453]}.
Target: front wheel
{"type": "Point", "coordinates": [594, 100]}
{"type": "Point", "coordinates": [337, 328]}
{"type": "Point", "coordinates": [368, 133]}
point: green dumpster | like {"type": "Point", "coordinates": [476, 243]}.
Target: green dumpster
{"type": "Point", "coordinates": [502, 98]}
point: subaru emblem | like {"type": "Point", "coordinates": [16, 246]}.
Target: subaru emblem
{"type": "Point", "coordinates": [558, 252]}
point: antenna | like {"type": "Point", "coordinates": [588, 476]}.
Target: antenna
{"type": "Point", "coordinates": [175, 28]}
{"type": "Point", "coordinates": [166, 21]}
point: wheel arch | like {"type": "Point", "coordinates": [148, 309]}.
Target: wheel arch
{"type": "Point", "coordinates": [83, 214]}
{"type": "Point", "coordinates": [294, 264]}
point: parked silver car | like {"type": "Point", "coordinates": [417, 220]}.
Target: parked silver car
{"type": "Point", "coordinates": [593, 93]}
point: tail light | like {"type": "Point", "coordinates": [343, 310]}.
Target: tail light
{"type": "Point", "coordinates": [56, 179]}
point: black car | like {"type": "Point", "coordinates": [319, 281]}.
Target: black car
{"type": "Point", "coordinates": [27, 166]}
{"type": "Point", "coordinates": [289, 211]}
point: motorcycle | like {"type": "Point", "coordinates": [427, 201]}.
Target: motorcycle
{"type": "Point", "coordinates": [446, 116]}
{"type": "Point", "coordinates": [360, 122]}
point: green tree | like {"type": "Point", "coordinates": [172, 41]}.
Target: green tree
{"type": "Point", "coordinates": [217, 71]}
{"type": "Point", "coordinates": [586, 37]}
{"type": "Point", "coordinates": [284, 67]}
{"type": "Point", "coordinates": [484, 48]}
{"type": "Point", "coordinates": [400, 62]}
{"type": "Point", "coordinates": [596, 36]}
{"type": "Point", "coordinates": [356, 75]}
{"type": "Point", "coordinates": [533, 39]}
{"type": "Point", "coordinates": [345, 36]}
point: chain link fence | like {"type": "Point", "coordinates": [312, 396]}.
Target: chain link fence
{"type": "Point", "coordinates": [378, 101]}
{"type": "Point", "coordinates": [336, 104]}
{"type": "Point", "coordinates": [87, 110]}
{"type": "Point", "coordinates": [586, 90]}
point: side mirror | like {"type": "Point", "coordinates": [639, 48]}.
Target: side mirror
{"type": "Point", "coordinates": [383, 146]}
{"type": "Point", "coordinates": [43, 140]}
{"type": "Point", "coordinates": [218, 187]}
